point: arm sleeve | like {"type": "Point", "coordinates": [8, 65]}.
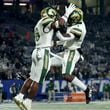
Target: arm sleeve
{"type": "Point", "coordinates": [64, 38]}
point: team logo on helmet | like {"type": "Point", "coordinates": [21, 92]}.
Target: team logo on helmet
{"type": "Point", "coordinates": [49, 12]}
{"type": "Point", "coordinates": [76, 16]}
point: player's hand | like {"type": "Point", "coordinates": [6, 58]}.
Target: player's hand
{"type": "Point", "coordinates": [69, 9]}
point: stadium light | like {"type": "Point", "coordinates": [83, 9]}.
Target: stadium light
{"type": "Point", "coordinates": [10, 4]}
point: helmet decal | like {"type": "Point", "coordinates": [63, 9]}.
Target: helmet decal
{"type": "Point", "coordinates": [49, 12]}
{"type": "Point", "coordinates": [76, 16]}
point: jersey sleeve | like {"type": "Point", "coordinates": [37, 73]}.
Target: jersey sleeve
{"type": "Point", "coordinates": [76, 30]}
{"type": "Point", "coordinates": [46, 22]}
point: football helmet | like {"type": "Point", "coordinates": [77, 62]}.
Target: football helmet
{"type": "Point", "coordinates": [49, 12]}
{"type": "Point", "coordinates": [76, 16]}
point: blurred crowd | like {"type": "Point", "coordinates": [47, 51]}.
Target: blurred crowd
{"type": "Point", "coordinates": [16, 46]}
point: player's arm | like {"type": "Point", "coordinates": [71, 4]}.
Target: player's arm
{"type": "Point", "coordinates": [47, 22]}
{"type": "Point", "coordinates": [65, 37]}
{"type": "Point", "coordinates": [77, 32]}
{"type": "Point", "coordinates": [63, 20]}
{"type": "Point", "coordinates": [50, 23]}
{"type": "Point", "coordinates": [74, 33]}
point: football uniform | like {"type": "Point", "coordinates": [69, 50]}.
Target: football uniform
{"type": "Point", "coordinates": [40, 55]}
{"type": "Point", "coordinates": [73, 38]}
{"type": "Point", "coordinates": [43, 37]}
{"type": "Point", "coordinates": [71, 54]}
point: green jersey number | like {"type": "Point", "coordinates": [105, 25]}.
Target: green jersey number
{"type": "Point", "coordinates": [37, 35]}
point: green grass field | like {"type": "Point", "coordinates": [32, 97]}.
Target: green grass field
{"type": "Point", "coordinates": [97, 105]}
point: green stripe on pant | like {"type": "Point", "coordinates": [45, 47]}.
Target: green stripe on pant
{"type": "Point", "coordinates": [45, 65]}
{"type": "Point", "coordinates": [69, 61]}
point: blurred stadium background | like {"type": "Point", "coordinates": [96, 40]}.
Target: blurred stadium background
{"type": "Point", "coordinates": [17, 21]}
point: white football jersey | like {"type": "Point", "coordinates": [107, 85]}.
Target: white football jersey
{"type": "Point", "coordinates": [77, 30]}
{"type": "Point", "coordinates": [43, 33]}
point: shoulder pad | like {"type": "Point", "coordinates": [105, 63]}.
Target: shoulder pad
{"type": "Point", "coordinates": [46, 21]}
{"type": "Point", "coordinates": [76, 31]}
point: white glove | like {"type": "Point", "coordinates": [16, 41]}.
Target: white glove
{"type": "Point", "coordinates": [68, 11]}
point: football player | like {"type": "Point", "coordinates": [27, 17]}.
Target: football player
{"type": "Point", "coordinates": [74, 37]}
{"type": "Point", "coordinates": [43, 31]}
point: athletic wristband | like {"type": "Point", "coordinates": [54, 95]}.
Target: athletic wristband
{"type": "Point", "coordinates": [65, 18]}
{"type": "Point", "coordinates": [57, 24]}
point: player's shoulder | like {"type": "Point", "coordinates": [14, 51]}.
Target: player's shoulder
{"type": "Point", "coordinates": [79, 26]}
{"type": "Point", "coordinates": [46, 20]}
{"type": "Point", "coordinates": [43, 22]}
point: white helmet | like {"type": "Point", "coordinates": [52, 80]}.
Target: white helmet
{"type": "Point", "coordinates": [76, 16]}
{"type": "Point", "coordinates": [49, 12]}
